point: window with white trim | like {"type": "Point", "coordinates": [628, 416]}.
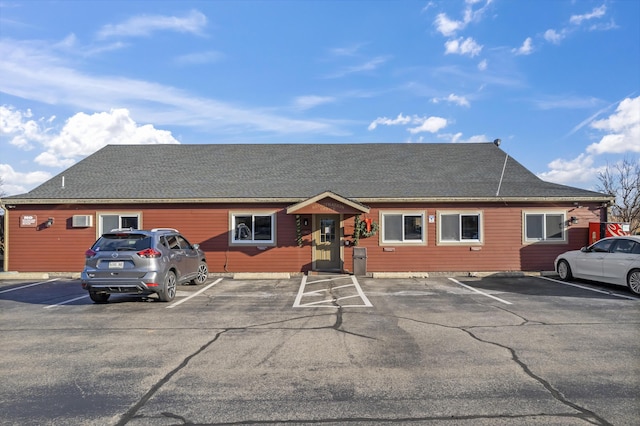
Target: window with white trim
{"type": "Point", "coordinates": [253, 228]}
{"type": "Point", "coordinates": [460, 227]}
{"type": "Point", "coordinates": [403, 227]}
{"type": "Point", "coordinates": [544, 226]}
{"type": "Point", "coordinates": [109, 221]}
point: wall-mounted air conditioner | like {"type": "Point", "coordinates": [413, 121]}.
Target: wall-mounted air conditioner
{"type": "Point", "coordinates": [82, 221]}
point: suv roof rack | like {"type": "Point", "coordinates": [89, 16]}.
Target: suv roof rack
{"type": "Point", "coordinates": [164, 229]}
{"type": "Point", "coordinates": [123, 229]}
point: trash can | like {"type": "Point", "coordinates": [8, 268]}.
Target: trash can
{"type": "Point", "coordinates": [360, 261]}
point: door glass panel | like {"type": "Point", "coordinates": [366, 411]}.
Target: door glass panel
{"type": "Point", "coordinates": [327, 230]}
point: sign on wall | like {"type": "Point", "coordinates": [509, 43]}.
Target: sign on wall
{"type": "Point", "coordinates": [28, 221]}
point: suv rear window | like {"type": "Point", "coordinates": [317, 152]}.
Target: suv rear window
{"type": "Point", "coordinates": [122, 242]}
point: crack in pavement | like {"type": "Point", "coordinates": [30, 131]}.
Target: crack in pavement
{"type": "Point", "coordinates": [583, 413]}
{"type": "Point", "coordinates": [371, 420]}
{"type": "Point", "coordinates": [132, 412]}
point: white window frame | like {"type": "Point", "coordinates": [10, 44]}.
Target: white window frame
{"type": "Point", "coordinates": [403, 214]}
{"type": "Point", "coordinates": [544, 239]}
{"type": "Point", "coordinates": [460, 214]}
{"type": "Point", "coordinates": [99, 228]}
{"type": "Point", "coordinates": [251, 241]}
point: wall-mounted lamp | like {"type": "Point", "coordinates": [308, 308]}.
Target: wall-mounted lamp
{"type": "Point", "coordinates": [49, 222]}
{"type": "Point", "coordinates": [573, 220]}
{"type": "Point", "coordinates": [305, 222]}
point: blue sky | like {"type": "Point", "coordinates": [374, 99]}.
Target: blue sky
{"type": "Point", "coordinates": [557, 81]}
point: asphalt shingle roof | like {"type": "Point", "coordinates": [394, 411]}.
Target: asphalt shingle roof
{"type": "Point", "coordinates": [297, 171]}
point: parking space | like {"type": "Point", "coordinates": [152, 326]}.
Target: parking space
{"type": "Point", "coordinates": [325, 291]}
{"type": "Point", "coordinates": [323, 349]}
{"type": "Point", "coordinates": [330, 291]}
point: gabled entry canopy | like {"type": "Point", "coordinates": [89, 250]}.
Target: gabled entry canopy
{"type": "Point", "coordinates": [327, 202]}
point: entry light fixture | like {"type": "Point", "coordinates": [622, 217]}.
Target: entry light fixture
{"type": "Point", "coordinates": [49, 222]}
{"type": "Point", "coordinates": [573, 220]}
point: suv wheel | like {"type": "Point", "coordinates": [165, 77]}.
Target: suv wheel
{"type": "Point", "coordinates": [99, 297]}
{"type": "Point", "coordinates": [168, 291]}
{"type": "Point", "coordinates": [203, 274]}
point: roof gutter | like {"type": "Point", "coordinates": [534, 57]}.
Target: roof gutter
{"type": "Point", "coordinates": [8, 204]}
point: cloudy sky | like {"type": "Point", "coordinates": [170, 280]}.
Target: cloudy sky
{"type": "Point", "coordinates": [557, 81]}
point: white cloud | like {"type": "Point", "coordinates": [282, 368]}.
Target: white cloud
{"type": "Point", "coordinates": [458, 138]}
{"type": "Point", "coordinates": [84, 134]}
{"type": "Point", "coordinates": [447, 27]}
{"type": "Point", "coordinates": [566, 101]}
{"type": "Point", "coordinates": [14, 182]}
{"type": "Point", "coordinates": [454, 99]}
{"type": "Point", "coordinates": [142, 26]}
{"type": "Point", "coordinates": [311, 101]}
{"type": "Point", "coordinates": [624, 136]}
{"type": "Point", "coordinates": [21, 130]}
{"type": "Point", "coordinates": [597, 12]}
{"type": "Point", "coordinates": [463, 46]}
{"type": "Point", "coordinates": [198, 58]}
{"type": "Point", "coordinates": [431, 125]}
{"type": "Point", "coordinates": [553, 36]}
{"type": "Point", "coordinates": [347, 50]}
{"type": "Point", "coordinates": [389, 121]}
{"type": "Point", "coordinates": [604, 26]}
{"type": "Point", "coordinates": [623, 127]}
{"type": "Point", "coordinates": [526, 48]}
{"type": "Point", "coordinates": [424, 124]}
{"type": "Point", "coordinates": [482, 65]}
{"type": "Point", "coordinates": [567, 172]}
{"type": "Point", "coordinates": [369, 65]}
{"type": "Point", "coordinates": [81, 134]}
{"type": "Point", "coordinates": [32, 71]}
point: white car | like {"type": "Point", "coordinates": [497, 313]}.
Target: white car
{"type": "Point", "coordinates": [614, 260]}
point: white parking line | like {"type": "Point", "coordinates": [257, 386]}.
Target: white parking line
{"type": "Point", "coordinates": [623, 296]}
{"type": "Point", "coordinates": [28, 285]}
{"type": "Point", "coordinates": [330, 303]}
{"type": "Point", "coordinates": [66, 301]}
{"type": "Point", "coordinates": [480, 292]}
{"type": "Point", "coordinates": [360, 292]}
{"type": "Point", "coordinates": [194, 294]}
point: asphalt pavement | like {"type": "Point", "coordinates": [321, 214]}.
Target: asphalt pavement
{"type": "Point", "coordinates": [323, 350]}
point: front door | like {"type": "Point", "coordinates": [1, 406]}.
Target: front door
{"type": "Point", "coordinates": [326, 242]}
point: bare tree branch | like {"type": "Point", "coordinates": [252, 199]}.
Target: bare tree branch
{"type": "Point", "coordinates": [623, 182]}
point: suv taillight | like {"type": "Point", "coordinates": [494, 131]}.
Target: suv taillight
{"type": "Point", "coordinates": [89, 253]}
{"type": "Point", "coordinates": [148, 253]}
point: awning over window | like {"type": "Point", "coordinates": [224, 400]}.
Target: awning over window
{"type": "Point", "coordinates": [327, 202]}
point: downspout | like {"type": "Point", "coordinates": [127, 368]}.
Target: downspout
{"type": "Point", "coordinates": [502, 175]}
{"type": "Point", "coordinates": [5, 258]}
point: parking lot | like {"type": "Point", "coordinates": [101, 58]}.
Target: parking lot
{"type": "Point", "coordinates": [331, 349]}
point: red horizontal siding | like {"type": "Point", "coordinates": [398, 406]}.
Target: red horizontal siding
{"type": "Point", "coordinates": [61, 247]}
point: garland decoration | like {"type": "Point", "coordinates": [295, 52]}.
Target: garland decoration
{"type": "Point", "coordinates": [298, 231]}
{"type": "Point", "coordinates": [360, 229]}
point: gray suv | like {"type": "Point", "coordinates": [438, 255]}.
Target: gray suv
{"type": "Point", "coordinates": [142, 262]}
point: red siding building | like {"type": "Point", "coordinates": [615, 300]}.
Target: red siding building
{"type": "Point", "coordinates": [296, 208]}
